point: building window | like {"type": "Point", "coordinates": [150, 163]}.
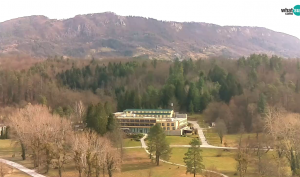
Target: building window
{"type": "Point", "coordinates": [168, 124]}
{"type": "Point", "coordinates": [172, 124]}
{"type": "Point", "coordinates": [164, 128]}
{"type": "Point", "coordinates": [173, 128]}
{"type": "Point", "coordinates": [163, 124]}
{"type": "Point", "coordinates": [168, 128]}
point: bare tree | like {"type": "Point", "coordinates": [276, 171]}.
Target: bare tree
{"type": "Point", "coordinates": [42, 133]}
{"type": "Point", "coordinates": [61, 144]}
{"type": "Point", "coordinates": [283, 127]}
{"type": "Point", "coordinates": [79, 111]}
{"type": "Point", "coordinates": [112, 159]}
{"type": "Point", "coordinates": [51, 140]}
{"type": "Point", "coordinates": [221, 128]}
{"type": "Point", "coordinates": [243, 156]}
{"type": "Point", "coordinates": [79, 149]}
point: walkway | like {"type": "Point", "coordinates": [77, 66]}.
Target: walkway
{"type": "Point", "coordinates": [205, 146]}
{"type": "Point", "coordinates": [196, 125]}
{"type": "Point", "coordinates": [200, 133]}
{"type": "Point", "coordinates": [21, 168]}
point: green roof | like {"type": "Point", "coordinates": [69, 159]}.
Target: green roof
{"type": "Point", "coordinates": [148, 109]}
{"type": "Point", "coordinates": [152, 113]}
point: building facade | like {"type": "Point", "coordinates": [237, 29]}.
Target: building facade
{"type": "Point", "coordinates": [2, 130]}
{"type": "Point", "coordinates": [140, 120]}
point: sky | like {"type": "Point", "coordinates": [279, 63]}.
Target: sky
{"type": "Point", "coordinates": [262, 13]}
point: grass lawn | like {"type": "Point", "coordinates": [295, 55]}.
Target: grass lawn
{"type": "Point", "coordinates": [137, 164]}
{"type": "Point", "coordinates": [225, 163]}
{"type": "Point", "coordinates": [12, 172]}
{"type": "Point", "coordinates": [199, 118]}
{"type": "Point", "coordinates": [179, 140]}
{"type": "Point", "coordinates": [212, 137]}
{"type": "Point", "coordinates": [231, 139]}
{"type": "Point", "coordinates": [7, 149]}
{"type": "Point", "coordinates": [131, 142]}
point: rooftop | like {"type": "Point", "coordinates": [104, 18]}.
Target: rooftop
{"type": "Point", "coordinates": [147, 110]}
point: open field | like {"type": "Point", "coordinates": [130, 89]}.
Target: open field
{"type": "Point", "coordinates": [128, 142]}
{"type": "Point", "coordinates": [223, 161]}
{"type": "Point", "coordinates": [231, 140]}
{"type": "Point", "coordinates": [7, 149]}
{"type": "Point", "coordinates": [136, 163]}
{"type": "Point", "coordinates": [180, 140]}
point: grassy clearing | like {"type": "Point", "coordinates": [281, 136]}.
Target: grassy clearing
{"type": "Point", "coordinates": [7, 149]}
{"type": "Point", "coordinates": [137, 164]}
{"type": "Point", "coordinates": [231, 139]}
{"type": "Point", "coordinates": [223, 161]}
{"type": "Point", "coordinates": [199, 118]}
{"type": "Point", "coordinates": [128, 142]}
{"type": "Point", "coordinates": [212, 137]}
{"type": "Point", "coordinates": [180, 140]}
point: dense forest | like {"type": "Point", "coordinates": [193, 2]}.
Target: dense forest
{"type": "Point", "coordinates": [237, 91]}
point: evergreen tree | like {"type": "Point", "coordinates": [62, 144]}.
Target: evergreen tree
{"type": "Point", "coordinates": [111, 123]}
{"type": "Point", "coordinates": [59, 110]}
{"type": "Point", "coordinates": [101, 118]}
{"type": "Point", "coordinates": [262, 104]}
{"type": "Point", "coordinates": [90, 117]}
{"type": "Point", "coordinates": [193, 158]}
{"type": "Point", "coordinates": [43, 100]}
{"type": "Point", "coordinates": [97, 118]}
{"type": "Point", "coordinates": [108, 108]}
{"type": "Point", "coordinates": [191, 107]}
{"type": "Point", "coordinates": [158, 145]}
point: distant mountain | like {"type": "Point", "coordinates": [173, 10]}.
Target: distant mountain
{"type": "Point", "coordinates": [110, 35]}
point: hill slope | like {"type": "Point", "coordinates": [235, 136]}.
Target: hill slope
{"type": "Point", "coordinates": [107, 34]}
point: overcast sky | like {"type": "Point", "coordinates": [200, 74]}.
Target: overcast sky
{"type": "Point", "coordinates": [262, 13]}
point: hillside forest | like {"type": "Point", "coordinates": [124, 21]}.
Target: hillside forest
{"type": "Point", "coordinates": [237, 91]}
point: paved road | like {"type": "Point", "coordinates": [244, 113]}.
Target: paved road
{"type": "Point", "coordinates": [21, 168]}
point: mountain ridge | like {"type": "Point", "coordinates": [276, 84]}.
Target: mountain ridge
{"type": "Point", "coordinates": [109, 35]}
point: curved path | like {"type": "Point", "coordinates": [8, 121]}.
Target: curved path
{"type": "Point", "coordinates": [196, 125]}
{"type": "Point", "coordinates": [21, 168]}
{"type": "Point", "coordinates": [204, 145]}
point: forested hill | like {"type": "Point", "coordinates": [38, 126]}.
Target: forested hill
{"type": "Point", "coordinates": [237, 91]}
{"type": "Point", "coordinates": [110, 35]}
